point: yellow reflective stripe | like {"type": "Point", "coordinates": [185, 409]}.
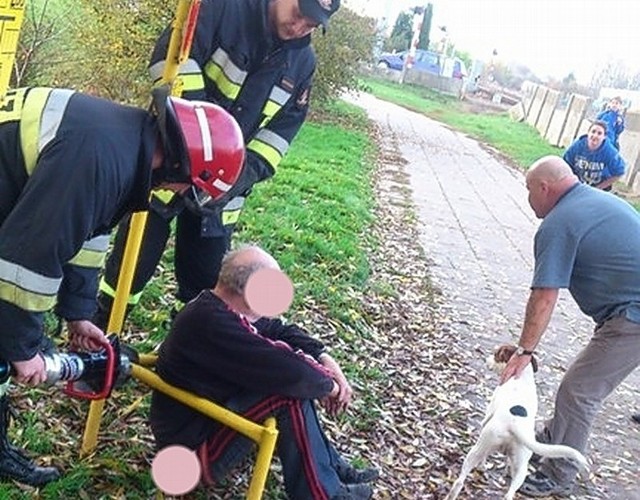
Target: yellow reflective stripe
{"type": "Point", "coordinates": [164, 195]}
{"type": "Point", "coordinates": [269, 111]}
{"type": "Point", "coordinates": [105, 288]}
{"type": "Point", "coordinates": [230, 70]}
{"type": "Point", "coordinates": [272, 139]}
{"type": "Point", "coordinates": [229, 89]}
{"type": "Point", "coordinates": [30, 126]}
{"type": "Point", "coordinates": [269, 153]}
{"type": "Point", "coordinates": [192, 82]}
{"type": "Point", "coordinates": [189, 74]}
{"type": "Point", "coordinates": [24, 299]}
{"type": "Point", "coordinates": [41, 116]}
{"type": "Point", "coordinates": [88, 258]}
{"type": "Point", "coordinates": [231, 211]}
{"type": "Point", "coordinates": [27, 289]}
{"type": "Point", "coordinates": [92, 253]}
{"type": "Point", "coordinates": [277, 98]}
{"type": "Point", "coordinates": [230, 216]}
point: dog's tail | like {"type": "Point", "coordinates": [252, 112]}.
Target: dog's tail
{"type": "Point", "coordinates": [550, 450]}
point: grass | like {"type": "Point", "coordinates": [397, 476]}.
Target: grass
{"type": "Point", "coordinates": [314, 216]}
{"type": "Point", "coordinates": [518, 141]}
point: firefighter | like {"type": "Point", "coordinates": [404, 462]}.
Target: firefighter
{"type": "Point", "coordinates": [70, 166]}
{"type": "Point", "coordinates": [253, 58]}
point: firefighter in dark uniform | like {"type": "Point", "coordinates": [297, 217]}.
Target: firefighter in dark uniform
{"type": "Point", "coordinates": [253, 58]}
{"type": "Point", "coordinates": [71, 166]}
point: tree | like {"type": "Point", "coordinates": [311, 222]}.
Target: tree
{"type": "Point", "coordinates": [349, 43]}
{"type": "Point", "coordinates": [116, 41]}
{"type": "Point", "coordinates": [401, 34]}
{"type": "Point", "coordinates": [613, 73]}
{"type": "Point", "coordinates": [97, 46]}
{"type": "Point", "coordinates": [425, 29]}
{"type": "Point", "coordinates": [43, 27]}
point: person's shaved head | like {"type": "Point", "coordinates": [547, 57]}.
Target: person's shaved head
{"type": "Point", "coordinates": [238, 265]}
{"type": "Point", "coordinates": [550, 168]}
{"type": "Point", "coordinates": [547, 180]}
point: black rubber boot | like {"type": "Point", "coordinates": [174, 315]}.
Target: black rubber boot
{"type": "Point", "coordinates": [13, 463]}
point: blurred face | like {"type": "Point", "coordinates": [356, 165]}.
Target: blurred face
{"type": "Point", "coordinates": [595, 137]}
{"type": "Point", "coordinates": [287, 21]}
{"type": "Point", "coordinates": [615, 104]}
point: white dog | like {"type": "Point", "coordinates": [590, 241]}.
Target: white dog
{"type": "Point", "coordinates": [509, 427]}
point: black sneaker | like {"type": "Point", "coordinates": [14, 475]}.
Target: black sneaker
{"type": "Point", "coordinates": [353, 492]}
{"type": "Point", "coordinates": [350, 475]}
{"type": "Point", "coordinates": [540, 485]}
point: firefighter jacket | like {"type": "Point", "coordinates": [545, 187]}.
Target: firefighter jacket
{"type": "Point", "coordinates": [263, 82]}
{"type": "Point", "coordinates": [70, 166]}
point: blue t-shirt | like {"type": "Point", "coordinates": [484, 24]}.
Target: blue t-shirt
{"type": "Point", "coordinates": [590, 244]}
{"type": "Point", "coordinates": [593, 167]}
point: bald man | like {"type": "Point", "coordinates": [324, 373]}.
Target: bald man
{"type": "Point", "coordinates": [220, 348]}
{"type": "Point", "coordinates": [588, 242]}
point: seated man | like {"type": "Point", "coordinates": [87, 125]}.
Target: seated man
{"type": "Point", "coordinates": [221, 349]}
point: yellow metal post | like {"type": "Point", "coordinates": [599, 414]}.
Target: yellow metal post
{"type": "Point", "coordinates": [11, 17]}
{"type": "Point", "coordinates": [177, 51]}
{"type": "Point", "coordinates": [263, 461]}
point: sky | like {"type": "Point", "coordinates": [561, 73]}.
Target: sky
{"type": "Point", "coordinates": [552, 37]}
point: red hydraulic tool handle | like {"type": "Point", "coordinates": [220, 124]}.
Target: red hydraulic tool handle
{"type": "Point", "coordinates": [109, 376]}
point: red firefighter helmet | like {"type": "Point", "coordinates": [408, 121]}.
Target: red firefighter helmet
{"type": "Point", "coordinates": [210, 146]}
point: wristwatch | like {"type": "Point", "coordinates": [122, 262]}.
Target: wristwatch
{"type": "Point", "coordinates": [521, 351]}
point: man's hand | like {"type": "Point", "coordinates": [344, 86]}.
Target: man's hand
{"type": "Point", "coordinates": [331, 402]}
{"type": "Point", "coordinates": [31, 371]}
{"type": "Point", "coordinates": [515, 366]}
{"type": "Point", "coordinates": [339, 401]}
{"type": "Point", "coordinates": [86, 336]}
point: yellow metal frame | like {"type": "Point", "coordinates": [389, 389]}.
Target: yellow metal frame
{"type": "Point", "coordinates": [263, 435]}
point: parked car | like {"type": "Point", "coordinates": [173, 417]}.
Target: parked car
{"type": "Point", "coordinates": [424, 61]}
{"type": "Point", "coordinates": [427, 61]}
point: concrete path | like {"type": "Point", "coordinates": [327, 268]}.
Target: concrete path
{"type": "Point", "coordinates": [477, 229]}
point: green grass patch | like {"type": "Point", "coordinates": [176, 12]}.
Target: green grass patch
{"type": "Point", "coordinates": [518, 141]}
{"type": "Point", "coordinates": [314, 216]}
